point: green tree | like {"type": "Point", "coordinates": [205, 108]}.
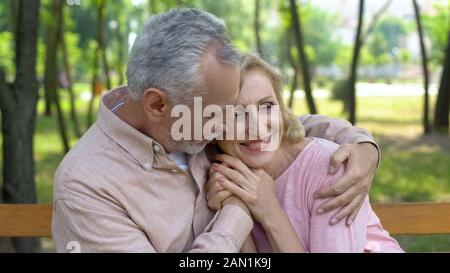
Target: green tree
{"type": "Point", "coordinates": [324, 44]}
{"type": "Point", "coordinates": [423, 51]}
{"type": "Point", "coordinates": [354, 66]}
{"type": "Point", "coordinates": [393, 30]}
{"type": "Point", "coordinates": [437, 27]}
{"type": "Point", "coordinates": [18, 111]}
{"type": "Point", "coordinates": [304, 64]}
{"type": "Point", "coordinates": [379, 48]}
{"type": "Point", "coordinates": [53, 41]}
{"type": "Point", "coordinates": [441, 114]}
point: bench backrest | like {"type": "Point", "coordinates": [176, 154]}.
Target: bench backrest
{"type": "Point", "coordinates": [403, 218]}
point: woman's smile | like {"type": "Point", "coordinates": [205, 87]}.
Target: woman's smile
{"type": "Point", "coordinates": [257, 146]}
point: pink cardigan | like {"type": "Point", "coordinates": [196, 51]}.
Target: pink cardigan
{"type": "Point", "coordinates": [296, 187]}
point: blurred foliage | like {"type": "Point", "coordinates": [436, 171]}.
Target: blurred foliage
{"type": "Point", "coordinates": [6, 52]}
{"type": "Point", "coordinates": [437, 27]}
{"type": "Point", "coordinates": [393, 29]}
{"type": "Point", "coordinates": [323, 43]}
{"type": "Point", "coordinates": [379, 48]}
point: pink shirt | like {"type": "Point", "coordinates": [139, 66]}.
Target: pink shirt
{"type": "Point", "coordinates": [296, 187]}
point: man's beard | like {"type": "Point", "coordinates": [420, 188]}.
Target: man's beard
{"type": "Point", "coordinates": [189, 147]}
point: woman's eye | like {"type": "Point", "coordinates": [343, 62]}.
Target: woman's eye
{"type": "Point", "coordinates": [266, 106]}
{"type": "Point", "coordinates": [239, 114]}
{"type": "Point", "coordinates": [239, 111]}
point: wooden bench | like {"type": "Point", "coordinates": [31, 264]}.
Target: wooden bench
{"type": "Point", "coordinates": [403, 218]}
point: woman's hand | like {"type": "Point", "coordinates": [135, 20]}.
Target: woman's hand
{"type": "Point", "coordinates": [255, 187]}
{"type": "Point", "coordinates": [215, 192]}
{"type": "Point", "coordinates": [218, 196]}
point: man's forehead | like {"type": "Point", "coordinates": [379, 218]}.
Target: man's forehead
{"type": "Point", "coordinates": [225, 77]}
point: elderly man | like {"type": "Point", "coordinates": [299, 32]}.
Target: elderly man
{"type": "Point", "coordinates": [128, 186]}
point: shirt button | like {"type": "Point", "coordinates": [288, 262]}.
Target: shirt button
{"type": "Point", "coordinates": [174, 171]}
{"type": "Point", "coordinates": [156, 148]}
{"type": "Point", "coordinates": [147, 165]}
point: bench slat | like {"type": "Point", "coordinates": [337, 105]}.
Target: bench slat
{"type": "Point", "coordinates": [402, 218]}
{"type": "Point", "coordinates": [414, 218]}
{"type": "Point", "coordinates": [25, 220]}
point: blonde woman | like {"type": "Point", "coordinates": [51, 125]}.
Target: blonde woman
{"type": "Point", "coordinates": [278, 186]}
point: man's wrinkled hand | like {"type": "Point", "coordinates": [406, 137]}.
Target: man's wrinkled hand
{"type": "Point", "coordinates": [350, 190]}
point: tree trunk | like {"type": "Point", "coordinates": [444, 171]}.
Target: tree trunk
{"type": "Point", "coordinates": [292, 63]}
{"type": "Point", "coordinates": [47, 97]}
{"type": "Point", "coordinates": [426, 123]}
{"type": "Point", "coordinates": [101, 42]}
{"type": "Point", "coordinates": [256, 26]}
{"type": "Point", "coordinates": [376, 17]}
{"type": "Point", "coordinates": [363, 38]}
{"type": "Point", "coordinates": [18, 108]}
{"type": "Point", "coordinates": [120, 49]}
{"type": "Point", "coordinates": [5, 243]}
{"type": "Point", "coordinates": [94, 82]}
{"type": "Point", "coordinates": [353, 70]}
{"type": "Point", "coordinates": [51, 74]}
{"type": "Point", "coordinates": [68, 71]}
{"type": "Point", "coordinates": [15, 17]}
{"type": "Point", "coordinates": [294, 86]}
{"type": "Point", "coordinates": [296, 21]}
{"type": "Point", "coordinates": [100, 50]}
{"type": "Point", "coordinates": [48, 103]}
{"type": "Point", "coordinates": [441, 120]}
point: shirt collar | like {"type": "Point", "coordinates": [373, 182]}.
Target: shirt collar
{"type": "Point", "coordinates": [138, 145]}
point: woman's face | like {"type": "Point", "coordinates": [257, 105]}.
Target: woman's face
{"type": "Point", "coordinates": [257, 90]}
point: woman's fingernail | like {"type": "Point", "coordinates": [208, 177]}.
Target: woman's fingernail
{"type": "Point", "coordinates": [349, 222]}
{"type": "Point", "coordinates": [320, 211]}
{"type": "Point", "coordinates": [334, 221]}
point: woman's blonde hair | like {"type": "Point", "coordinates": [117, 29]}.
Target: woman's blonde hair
{"type": "Point", "coordinates": [293, 130]}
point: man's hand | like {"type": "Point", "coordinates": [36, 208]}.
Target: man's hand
{"type": "Point", "coordinates": [218, 196]}
{"type": "Point", "coordinates": [234, 200]}
{"type": "Point", "coordinates": [253, 186]}
{"type": "Point", "coordinates": [215, 192]}
{"type": "Point", "coordinates": [351, 189]}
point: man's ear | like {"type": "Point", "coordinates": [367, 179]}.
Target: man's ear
{"type": "Point", "coordinates": [156, 102]}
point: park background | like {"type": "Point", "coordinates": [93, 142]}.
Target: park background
{"type": "Point", "coordinates": [383, 65]}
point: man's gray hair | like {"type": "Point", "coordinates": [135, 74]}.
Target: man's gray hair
{"type": "Point", "coordinates": [167, 54]}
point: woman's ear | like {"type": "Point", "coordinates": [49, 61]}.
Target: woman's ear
{"type": "Point", "coordinates": [156, 102]}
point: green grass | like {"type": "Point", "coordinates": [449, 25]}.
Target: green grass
{"type": "Point", "coordinates": [413, 168]}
